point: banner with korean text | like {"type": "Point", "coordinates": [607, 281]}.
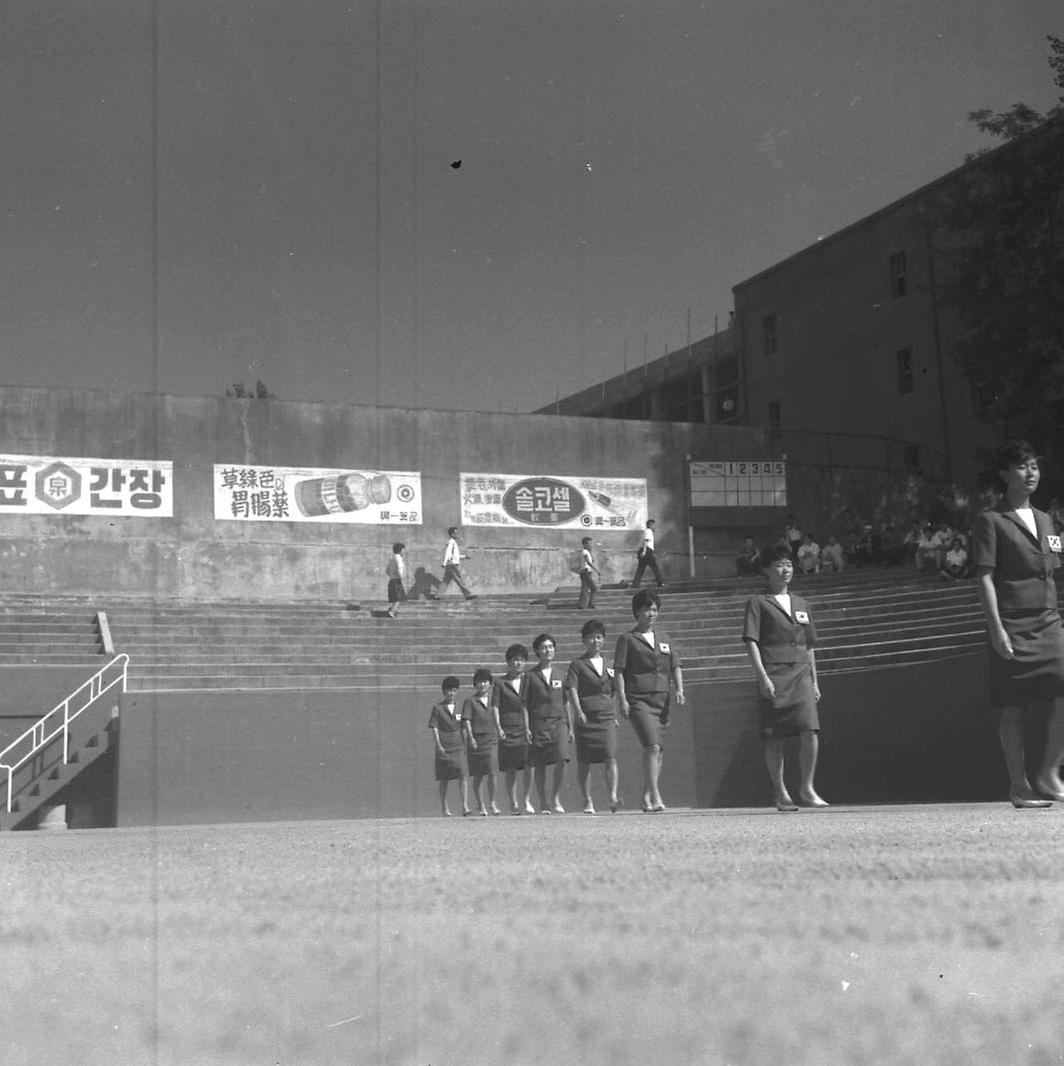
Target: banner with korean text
{"type": "Point", "coordinates": [554, 501]}
{"type": "Point", "coordinates": [47, 484]}
{"type": "Point", "coordinates": [301, 494]}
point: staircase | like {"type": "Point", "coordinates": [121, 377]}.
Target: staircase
{"type": "Point", "coordinates": [47, 757]}
{"type": "Point", "coordinates": [865, 619]}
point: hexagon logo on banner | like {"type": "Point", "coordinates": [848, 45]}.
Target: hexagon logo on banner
{"type": "Point", "coordinates": [58, 485]}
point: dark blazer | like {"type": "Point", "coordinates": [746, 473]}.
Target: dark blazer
{"type": "Point", "coordinates": [594, 690]}
{"type": "Point", "coordinates": [780, 637]}
{"type": "Point", "coordinates": [544, 701]}
{"type": "Point", "coordinates": [1023, 564]}
{"type": "Point", "coordinates": [448, 725]}
{"type": "Point", "coordinates": [646, 669]}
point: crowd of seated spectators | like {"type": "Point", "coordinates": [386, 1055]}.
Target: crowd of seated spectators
{"type": "Point", "coordinates": [926, 546]}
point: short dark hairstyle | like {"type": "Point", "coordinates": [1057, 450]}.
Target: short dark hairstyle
{"type": "Point", "coordinates": [481, 674]}
{"type": "Point", "coordinates": [650, 522]}
{"type": "Point", "coordinates": [397, 547]}
{"type": "Point", "coordinates": [541, 640]}
{"type": "Point", "coordinates": [517, 651]}
{"type": "Point", "coordinates": [452, 531]}
{"type": "Point", "coordinates": [778, 552]}
{"type": "Point", "coordinates": [1014, 452]}
{"type": "Point", "coordinates": [585, 540]}
{"type": "Point", "coordinates": [450, 681]}
{"type": "Point", "coordinates": [592, 625]}
{"type": "Point", "coordinates": [644, 598]}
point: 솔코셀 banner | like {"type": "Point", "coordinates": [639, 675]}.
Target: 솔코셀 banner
{"type": "Point", "coordinates": [554, 501]}
{"type": "Point", "coordinates": [297, 494]}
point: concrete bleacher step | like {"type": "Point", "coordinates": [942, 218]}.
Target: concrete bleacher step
{"type": "Point", "coordinates": [871, 617]}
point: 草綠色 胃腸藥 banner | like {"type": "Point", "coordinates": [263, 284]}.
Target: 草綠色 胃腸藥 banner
{"type": "Point", "coordinates": [549, 501]}
{"type": "Point", "coordinates": [299, 494]}
{"type": "Point", "coordinates": [48, 484]}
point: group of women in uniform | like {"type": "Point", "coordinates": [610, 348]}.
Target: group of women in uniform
{"type": "Point", "coordinates": [531, 717]}
{"type": "Point", "coordinates": [527, 720]}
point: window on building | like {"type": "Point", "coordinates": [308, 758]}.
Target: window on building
{"type": "Point", "coordinates": [898, 274]}
{"type": "Point", "coordinates": [775, 414]}
{"type": "Point", "coordinates": [905, 370]}
{"type": "Point", "coordinates": [726, 390]}
{"type": "Point", "coordinates": [768, 327]}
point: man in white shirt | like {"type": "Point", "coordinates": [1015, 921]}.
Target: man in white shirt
{"type": "Point", "coordinates": [589, 575]}
{"type": "Point", "coordinates": [809, 555]}
{"type": "Point", "coordinates": [646, 558]}
{"type": "Point", "coordinates": [452, 557]}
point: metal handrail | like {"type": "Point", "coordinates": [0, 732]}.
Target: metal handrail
{"type": "Point", "coordinates": [38, 734]}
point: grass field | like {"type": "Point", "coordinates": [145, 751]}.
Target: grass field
{"type": "Point", "coordinates": [887, 935]}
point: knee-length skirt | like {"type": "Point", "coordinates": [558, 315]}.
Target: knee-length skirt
{"type": "Point", "coordinates": [451, 764]}
{"type": "Point", "coordinates": [484, 759]}
{"type": "Point", "coordinates": [513, 754]}
{"type": "Point", "coordinates": [1036, 673]}
{"type": "Point", "coordinates": [596, 741]}
{"type": "Point", "coordinates": [793, 709]}
{"type": "Point", "coordinates": [649, 714]}
{"type": "Point", "coordinates": [550, 742]}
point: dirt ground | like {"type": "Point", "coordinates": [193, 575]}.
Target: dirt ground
{"type": "Point", "coordinates": [886, 935]}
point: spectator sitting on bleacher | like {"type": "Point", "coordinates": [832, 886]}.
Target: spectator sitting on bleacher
{"type": "Point", "coordinates": [867, 549]}
{"type": "Point", "coordinates": [832, 555]}
{"type": "Point", "coordinates": [912, 538]}
{"type": "Point", "coordinates": [809, 555]}
{"type": "Point", "coordinates": [849, 532]}
{"type": "Point", "coordinates": [748, 561]}
{"type": "Point", "coordinates": [955, 562]}
{"type": "Point", "coordinates": [891, 552]}
{"type": "Point", "coordinates": [927, 549]}
{"type": "Point", "coordinates": [794, 536]}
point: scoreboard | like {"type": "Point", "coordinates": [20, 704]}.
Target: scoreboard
{"type": "Point", "coordinates": [739, 483]}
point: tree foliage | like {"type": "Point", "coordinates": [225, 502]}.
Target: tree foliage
{"type": "Point", "coordinates": [239, 391]}
{"type": "Point", "coordinates": [1003, 225]}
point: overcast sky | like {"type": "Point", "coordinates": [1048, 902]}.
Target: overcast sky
{"type": "Point", "coordinates": [198, 193]}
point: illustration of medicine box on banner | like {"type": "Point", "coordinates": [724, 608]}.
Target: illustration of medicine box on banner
{"type": "Point", "coordinates": [245, 493]}
{"type": "Point", "coordinates": [50, 485]}
{"type": "Point", "coordinates": [560, 501]}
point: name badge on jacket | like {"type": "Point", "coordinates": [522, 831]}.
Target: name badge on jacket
{"type": "Point", "coordinates": [609, 671]}
{"type": "Point", "coordinates": [1053, 540]}
{"type": "Point", "coordinates": [664, 647]}
{"type": "Point", "coordinates": [802, 617]}
{"type": "Point", "coordinates": [555, 682]}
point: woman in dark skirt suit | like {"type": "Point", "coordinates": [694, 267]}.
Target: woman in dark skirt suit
{"type": "Point", "coordinates": [1015, 554]}
{"type": "Point", "coordinates": [779, 635]}
{"type": "Point", "coordinates": [644, 665]}
{"type": "Point", "coordinates": [589, 684]}
{"type": "Point", "coordinates": [548, 723]}
{"type": "Point", "coordinates": [511, 720]}
{"type": "Point", "coordinates": [445, 721]}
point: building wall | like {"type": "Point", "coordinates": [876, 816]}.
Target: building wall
{"type": "Point", "coordinates": [839, 328]}
{"type": "Point", "coordinates": [193, 555]}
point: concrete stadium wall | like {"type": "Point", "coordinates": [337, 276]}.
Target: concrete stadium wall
{"type": "Point", "coordinates": [917, 734]}
{"type": "Point", "coordinates": [193, 555]}
{"type": "Point", "coordinates": [27, 693]}
{"type": "Point", "coordinates": [245, 757]}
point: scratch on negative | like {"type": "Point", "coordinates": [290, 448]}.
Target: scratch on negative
{"type": "Point", "coordinates": [333, 1025]}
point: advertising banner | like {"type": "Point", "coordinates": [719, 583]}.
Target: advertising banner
{"type": "Point", "coordinates": [46, 484]}
{"type": "Point", "coordinates": [739, 483]}
{"type": "Point", "coordinates": [300, 494]}
{"type": "Point", "coordinates": [554, 501]}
